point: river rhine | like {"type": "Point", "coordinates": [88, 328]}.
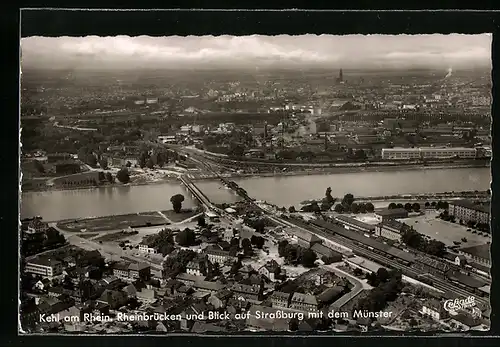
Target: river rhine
{"type": "Point", "coordinates": [280, 190]}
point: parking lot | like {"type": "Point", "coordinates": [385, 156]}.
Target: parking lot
{"type": "Point", "coordinates": [443, 231]}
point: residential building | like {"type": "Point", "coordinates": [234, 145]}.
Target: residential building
{"type": "Point", "coordinates": [467, 211]}
{"type": "Point", "coordinates": [220, 298]}
{"type": "Point", "coordinates": [304, 302]}
{"type": "Point", "coordinates": [217, 255]}
{"type": "Point", "coordinates": [114, 298]}
{"type": "Point", "coordinates": [167, 139]}
{"type": "Point", "coordinates": [270, 269]}
{"type": "Point", "coordinates": [434, 309]}
{"type": "Point", "coordinates": [303, 238]}
{"type": "Point", "coordinates": [391, 229]}
{"type": "Point", "coordinates": [207, 286]}
{"type": "Point", "coordinates": [45, 267]}
{"type": "Point", "coordinates": [145, 248]}
{"type": "Point", "coordinates": [196, 268]}
{"type": "Point", "coordinates": [228, 235]}
{"type": "Point", "coordinates": [36, 226]}
{"type": "Point", "coordinates": [280, 299]}
{"type": "Point", "coordinates": [354, 224]}
{"type": "Point", "coordinates": [147, 295]}
{"type": "Point", "coordinates": [252, 292]}
{"type": "Point", "coordinates": [394, 213]}
{"type": "Point", "coordinates": [479, 254]}
{"type": "Point", "coordinates": [132, 271]}
{"type": "Point", "coordinates": [188, 279]}
{"type": "Point", "coordinates": [140, 271]}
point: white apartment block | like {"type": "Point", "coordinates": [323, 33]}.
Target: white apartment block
{"type": "Point", "coordinates": [428, 152]}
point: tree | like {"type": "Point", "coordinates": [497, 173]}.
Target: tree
{"type": "Point", "coordinates": [103, 163]}
{"type": "Point", "coordinates": [109, 177]}
{"type": "Point", "coordinates": [339, 208]}
{"type": "Point", "coordinates": [328, 195]}
{"type": "Point", "coordinates": [257, 241]}
{"type": "Point", "coordinates": [91, 160]}
{"type": "Point", "coordinates": [348, 199]}
{"type": "Point", "coordinates": [149, 164]}
{"type": "Point", "coordinates": [408, 207]}
{"type": "Point", "coordinates": [292, 209]}
{"type": "Point", "coordinates": [260, 225]}
{"type": "Point", "coordinates": [382, 274]}
{"type": "Point", "coordinates": [245, 243]}
{"type": "Point", "coordinates": [435, 247]}
{"type": "Point", "coordinates": [392, 206]}
{"type": "Point", "coordinates": [235, 267]}
{"type": "Point", "coordinates": [325, 206]}
{"type": "Point", "coordinates": [201, 222]}
{"type": "Point", "coordinates": [39, 166]}
{"type": "Point", "coordinates": [123, 176]}
{"type": "Point", "coordinates": [143, 157]}
{"type": "Point", "coordinates": [357, 272]}
{"type": "Point", "coordinates": [186, 237]}
{"type": "Point", "coordinates": [369, 207]}
{"type": "Point", "coordinates": [101, 176]}
{"type": "Point", "coordinates": [416, 206]}
{"type": "Point", "coordinates": [315, 208]}
{"type": "Point", "coordinates": [282, 247]}
{"type": "Point", "coordinates": [177, 201]}
{"type": "Point", "coordinates": [427, 204]}
{"type": "Point", "coordinates": [433, 204]}
{"type": "Point", "coordinates": [308, 258]}
{"type": "Point", "coordinates": [235, 242]}
{"type": "Point", "coordinates": [362, 208]}
{"type": "Point", "coordinates": [354, 208]}
{"type": "Point", "coordinates": [399, 205]}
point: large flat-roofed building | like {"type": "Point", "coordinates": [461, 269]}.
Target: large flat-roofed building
{"type": "Point", "coordinates": [303, 238]}
{"type": "Point", "coordinates": [391, 213]}
{"type": "Point", "coordinates": [391, 229]}
{"type": "Point", "coordinates": [428, 152]}
{"type": "Point", "coordinates": [400, 153]}
{"type": "Point", "coordinates": [466, 211]}
{"type": "Point", "coordinates": [352, 223]}
{"type": "Point", "coordinates": [479, 254]}
{"type": "Point", "coordinates": [45, 267]}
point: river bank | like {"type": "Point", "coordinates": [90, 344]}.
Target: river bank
{"type": "Point", "coordinates": [345, 169]}
{"type": "Point", "coordinates": [309, 172]}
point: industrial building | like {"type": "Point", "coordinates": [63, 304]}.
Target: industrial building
{"type": "Point", "coordinates": [428, 153]}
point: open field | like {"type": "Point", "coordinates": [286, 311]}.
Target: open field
{"type": "Point", "coordinates": [113, 222]}
{"type": "Point", "coordinates": [443, 231]}
{"type": "Point", "coordinates": [87, 235]}
{"type": "Point", "coordinates": [114, 236]}
{"type": "Point", "coordinates": [181, 216]}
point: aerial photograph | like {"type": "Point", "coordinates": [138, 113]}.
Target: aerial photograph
{"type": "Point", "coordinates": [309, 184]}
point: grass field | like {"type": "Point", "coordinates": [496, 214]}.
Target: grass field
{"type": "Point", "coordinates": [112, 222]}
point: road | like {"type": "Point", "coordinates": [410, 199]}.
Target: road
{"type": "Point", "coordinates": [359, 286]}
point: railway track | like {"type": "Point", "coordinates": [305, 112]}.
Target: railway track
{"type": "Point", "coordinates": [437, 283]}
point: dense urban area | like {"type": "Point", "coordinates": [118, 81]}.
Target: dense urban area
{"type": "Point", "coordinates": [347, 263]}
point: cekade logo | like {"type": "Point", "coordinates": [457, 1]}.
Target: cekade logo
{"type": "Point", "coordinates": [459, 304]}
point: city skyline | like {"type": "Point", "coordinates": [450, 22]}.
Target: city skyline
{"type": "Point", "coordinates": [454, 51]}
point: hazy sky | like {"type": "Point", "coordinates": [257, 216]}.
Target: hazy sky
{"type": "Point", "coordinates": [351, 51]}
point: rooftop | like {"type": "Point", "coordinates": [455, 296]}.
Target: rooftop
{"type": "Point", "coordinates": [481, 251]}
{"type": "Point", "coordinates": [470, 205]}
{"type": "Point", "coordinates": [391, 212]}
{"type": "Point", "coordinates": [304, 298]}
{"type": "Point", "coordinates": [355, 222]}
